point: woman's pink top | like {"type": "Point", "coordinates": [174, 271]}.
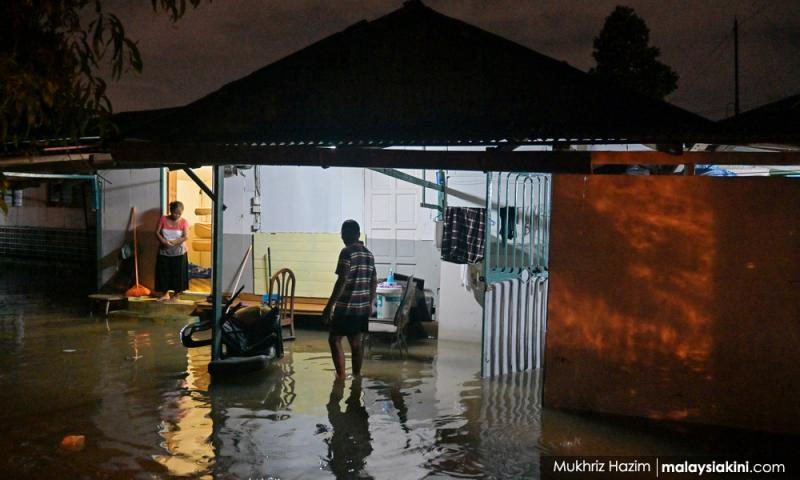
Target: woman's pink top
{"type": "Point", "coordinates": [173, 232]}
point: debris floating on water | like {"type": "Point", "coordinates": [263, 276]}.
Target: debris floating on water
{"type": "Point", "coordinates": [73, 443]}
{"type": "Point", "coordinates": [69, 350]}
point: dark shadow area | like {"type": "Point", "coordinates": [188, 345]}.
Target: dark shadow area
{"type": "Point", "coordinates": [573, 432]}
{"type": "Point", "coordinates": [36, 284]}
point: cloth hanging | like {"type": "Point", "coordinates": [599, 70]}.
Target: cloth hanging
{"type": "Point", "coordinates": [508, 222]}
{"type": "Point", "coordinates": [471, 276]}
{"type": "Point", "coordinates": [463, 234]}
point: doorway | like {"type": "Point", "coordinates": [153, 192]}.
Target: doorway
{"type": "Point", "coordinates": [198, 212]}
{"type": "Point", "coordinates": [399, 232]}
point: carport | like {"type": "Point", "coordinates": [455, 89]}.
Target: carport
{"type": "Point", "coordinates": [415, 78]}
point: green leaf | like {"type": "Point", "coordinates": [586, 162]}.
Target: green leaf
{"type": "Point", "coordinates": [134, 56]}
{"type": "Point", "coordinates": [51, 81]}
{"type": "Point", "coordinates": [97, 37]}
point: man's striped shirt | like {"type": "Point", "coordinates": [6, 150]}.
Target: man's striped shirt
{"type": "Point", "coordinates": [357, 265]}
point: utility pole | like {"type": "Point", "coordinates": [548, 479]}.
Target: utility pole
{"type": "Point", "coordinates": [736, 65]}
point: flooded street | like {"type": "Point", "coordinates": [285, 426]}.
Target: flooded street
{"type": "Point", "coordinates": [603, 199]}
{"type": "Point", "coordinates": [148, 410]}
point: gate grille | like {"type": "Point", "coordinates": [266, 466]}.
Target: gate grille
{"type": "Point", "coordinates": [516, 272]}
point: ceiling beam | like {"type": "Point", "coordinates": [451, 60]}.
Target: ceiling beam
{"type": "Point", "coordinates": [695, 158]}
{"type": "Point", "coordinates": [36, 160]}
{"type": "Point", "coordinates": [140, 153]}
{"type": "Point", "coordinates": [175, 156]}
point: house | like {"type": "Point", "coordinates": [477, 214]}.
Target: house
{"type": "Point", "coordinates": [615, 269]}
{"type": "Point", "coordinates": [776, 120]}
{"type": "Point", "coordinates": [411, 80]}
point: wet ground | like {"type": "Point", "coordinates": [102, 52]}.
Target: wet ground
{"type": "Point", "coordinates": [148, 409]}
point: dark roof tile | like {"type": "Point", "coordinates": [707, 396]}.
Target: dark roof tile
{"type": "Point", "coordinates": [775, 121]}
{"type": "Point", "coordinates": [418, 74]}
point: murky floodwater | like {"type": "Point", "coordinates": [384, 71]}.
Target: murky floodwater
{"type": "Point", "coordinates": [148, 410]}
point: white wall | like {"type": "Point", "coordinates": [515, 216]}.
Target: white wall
{"type": "Point", "coordinates": [237, 221]}
{"type": "Point", "coordinates": [34, 212]}
{"type": "Point", "coordinates": [239, 189]}
{"type": "Point", "coordinates": [307, 199]}
{"type": "Point", "coordinates": [460, 313]}
{"type": "Point", "coordinates": [121, 190]}
{"type": "Point", "coordinates": [293, 199]}
{"type": "Point", "coordinates": [310, 199]}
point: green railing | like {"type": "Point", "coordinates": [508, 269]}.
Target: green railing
{"type": "Point", "coordinates": [517, 225]}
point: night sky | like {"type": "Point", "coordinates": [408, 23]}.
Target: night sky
{"type": "Point", "coordinates": [227, 39]}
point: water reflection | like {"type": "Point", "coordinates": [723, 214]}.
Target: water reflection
{"type": "Point", "coordinates": [186, 426]}
{"type": "Point", "coordinates": [293, 419]}
{"type": "Point", "coordinates": [12, 332]}
{"type": "Point", "coordinates": [161, 416]}
{"type": "Point", "coordinates": [351, 442]}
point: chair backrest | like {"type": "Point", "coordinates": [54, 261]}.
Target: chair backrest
{"type": "Point", "coordinates": [283, 280]}
{"type": "Point", "coordinates": [404, 309]}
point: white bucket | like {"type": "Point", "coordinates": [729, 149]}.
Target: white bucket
{"type": "Point", "coordinates": [389, 300]}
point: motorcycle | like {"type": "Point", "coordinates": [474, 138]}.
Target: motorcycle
{"type": "Point", "coordinates": [251, 338]}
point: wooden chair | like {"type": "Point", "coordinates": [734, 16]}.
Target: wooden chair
{"type": "Point", "coordinates": [396, 328]}
{"type": "Point", "coordinates": [284, 281]}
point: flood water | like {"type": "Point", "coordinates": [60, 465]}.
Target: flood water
{"type": "Point", "coordinates": [148, 409]}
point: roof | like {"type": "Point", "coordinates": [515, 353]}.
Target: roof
{"type": "Point", "coordinates": [416, 76]}
{"type": "Point", "coordinates": [126, 121]}
{"type": "Point", "coordinates": [778, 121]}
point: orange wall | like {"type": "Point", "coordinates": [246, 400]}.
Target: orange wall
{"type": "Point", "coordinates": [676, 298]}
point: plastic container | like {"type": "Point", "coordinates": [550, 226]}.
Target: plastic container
{"type": "Point", "coordinates": [266, 299]}
{"type": "Point", "coordinates": [389, 296]}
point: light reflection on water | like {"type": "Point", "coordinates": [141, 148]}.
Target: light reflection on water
{"type": "Point", "coordinates": [148, 409]}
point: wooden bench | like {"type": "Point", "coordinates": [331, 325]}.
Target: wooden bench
{"type": "Point", "coordinates": [302, 305]}
{"type": "Point", "coordinates": [96, 298]}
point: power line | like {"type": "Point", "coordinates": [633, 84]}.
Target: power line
{"type": "Point", "coordinates": [712, 62]}
{"type": "Point", "coordinates": [757, 12]}
{"type": "Point", "coordinates": [689, 82]}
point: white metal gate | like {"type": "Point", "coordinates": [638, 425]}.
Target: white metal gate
{"type": "Point", "coordinates": [515, 315]}
{"type": "Point", "coordinates": [516, 272]}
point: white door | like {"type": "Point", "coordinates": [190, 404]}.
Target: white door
{"type": "Point", "coordinates": [397, 227]}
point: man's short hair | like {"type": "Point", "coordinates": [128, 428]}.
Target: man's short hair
{"type": "Point", "coordinates": [350, 229]}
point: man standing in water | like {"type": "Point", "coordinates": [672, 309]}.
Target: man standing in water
{"type": "Point", "coordinates": [351, 300]}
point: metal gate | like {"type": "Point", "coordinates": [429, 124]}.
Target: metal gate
{"type": "Point", "coordinates": [515, 270]}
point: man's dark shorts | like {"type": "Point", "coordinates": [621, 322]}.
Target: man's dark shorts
{"type": "Point", "coordinates": [349, 325]}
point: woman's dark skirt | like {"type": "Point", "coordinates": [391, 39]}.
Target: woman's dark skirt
{"type": "Point", "coordinates": [172, 273]}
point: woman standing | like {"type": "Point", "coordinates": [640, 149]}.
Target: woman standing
{"type": "Point", "coordinates": [172, 263]}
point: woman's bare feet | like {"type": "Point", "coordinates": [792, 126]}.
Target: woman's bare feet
{"type": "Point", "coordinates": [168, 295]}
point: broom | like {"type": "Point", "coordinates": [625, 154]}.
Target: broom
{"type": "Point", "coordinates": [137, 290]}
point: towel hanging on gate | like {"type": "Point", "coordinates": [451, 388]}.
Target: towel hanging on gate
{"type": "Point", "coordinates": [463, 234]}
